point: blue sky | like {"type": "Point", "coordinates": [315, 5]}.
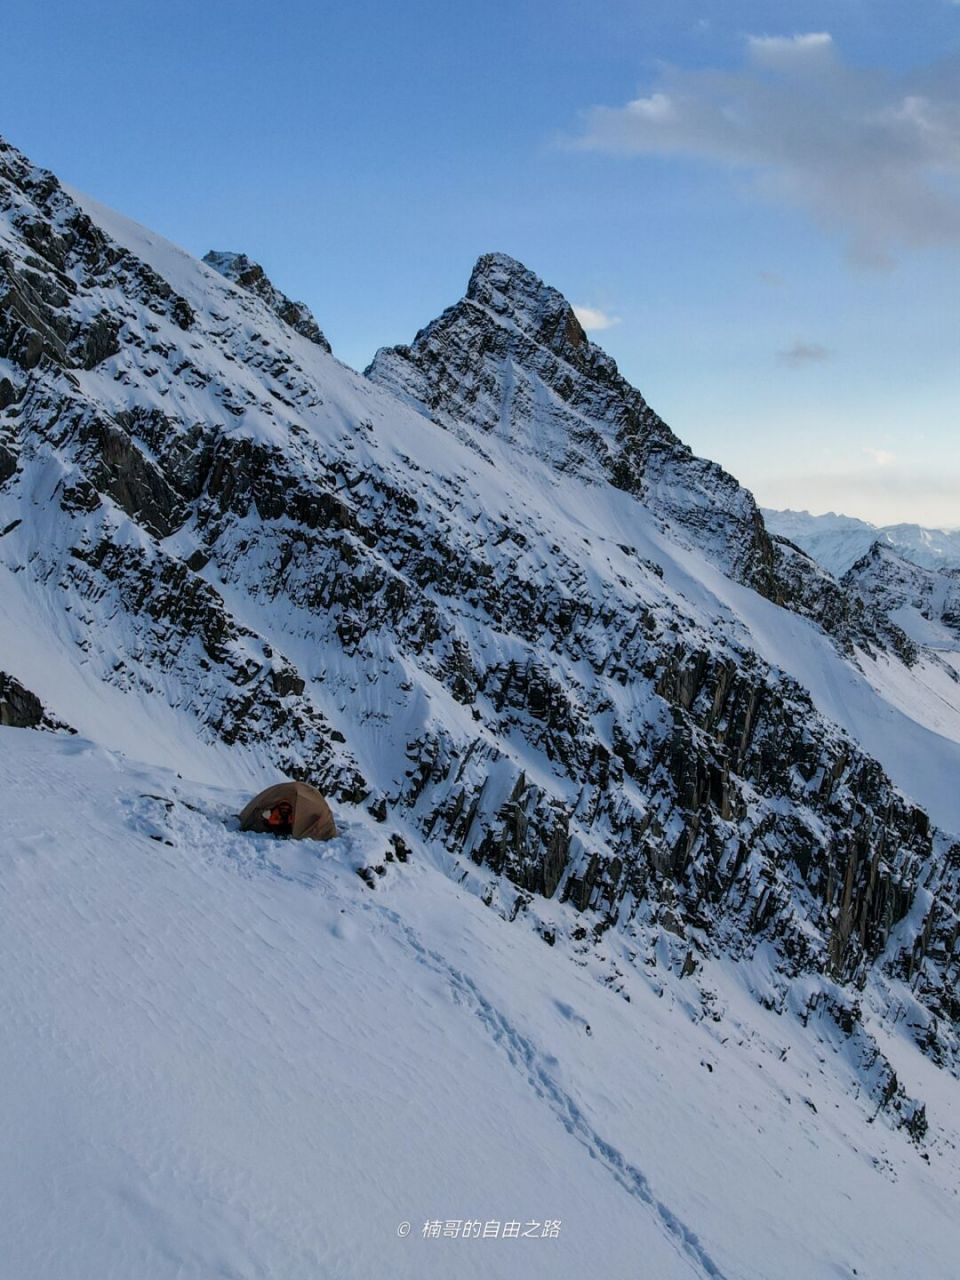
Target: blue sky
{"type": "Point", "coordinates": [765, 198]}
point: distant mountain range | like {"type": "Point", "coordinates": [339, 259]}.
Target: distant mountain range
{"type": "Point", "coordinates": [838, 541]}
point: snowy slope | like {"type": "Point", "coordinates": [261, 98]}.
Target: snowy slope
{"type": "Point", "coordinates": [225, 1056]}
{"type": "Point", "coordinates": [909, 575]}
{"type": "Point", "coordinates": [251, 277]}
{"type": "Point", "coordinates": [328, 402]}
{"type": "Point", "coordinates": [925, 604]}
{"type": "Point", "coordinates": [528, 663]}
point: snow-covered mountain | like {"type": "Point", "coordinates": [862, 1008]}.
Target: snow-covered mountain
{"type": "Point", "coordinates": [903, 573]}
{"type": "Point", "coordinates": [924, 602]}
{"type": "Point", "coordinates": [838, 541]}
{"type": "Point", "coordinates": [525, 639]}
{"type": "Point", "coordinates": [510, 365]}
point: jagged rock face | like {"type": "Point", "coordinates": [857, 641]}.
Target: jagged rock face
{"type": "Point", "coordinates": [21, 709]}
{"type": "Point", "coordinates": [512, 359]}
{"type": "Point", "coordinates": [313, 572]}
{"type": "Point", "coordinates": [852, 619]}
{"type": "Point", "coordinates": [927, 601]}
{"type": "Point", "coordinates": [252, 277]}
{"type": "Point", "coordinates": [63, 445]}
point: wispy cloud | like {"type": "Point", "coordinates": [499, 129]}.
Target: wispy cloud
{"type": "Point", "coordinates": [803, 353]}
{"type": "Point", "coordinates": [881, 457]}
{"type": "Point", "coordinates": [787, 51]}
{"type": "Point", "coordinates": [593, 319]}
{"type": "Point", "coordinates": [871, 154]}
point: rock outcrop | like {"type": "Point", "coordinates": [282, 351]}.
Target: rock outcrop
{"type": "Point", "coordinates": [252, 277]}
{"type": "Point", "coordinates": [512, 361]}
{"type": "Point", "coordinates": [926, 600]}
{"type": "Point", "coordinates": [21, 709]}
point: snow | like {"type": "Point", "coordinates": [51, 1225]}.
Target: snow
{"type": "Point", "coordinates": [227, 1056]}
{"type": "Point", "coordinates": [902, 721]}
{"type": "Point", "coordinates": [928, 694]}
{"type": "Point", "coordinates": [929, 632]}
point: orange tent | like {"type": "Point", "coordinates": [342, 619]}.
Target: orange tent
{"type": "Point", "coordinates": [312, 819]}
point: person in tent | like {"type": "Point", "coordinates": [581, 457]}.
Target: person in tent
{"type": "Point", "coordinates": [292, 809]}
{"type": "Point", "coordinates": [280, 818]}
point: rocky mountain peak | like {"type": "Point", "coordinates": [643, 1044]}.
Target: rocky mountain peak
{"type": "Point", "coordinates": [249, 275]}
{"type": "Point", "coordinates": [512, 291]}
{"type": "Point", "coordinates": [511, 360]}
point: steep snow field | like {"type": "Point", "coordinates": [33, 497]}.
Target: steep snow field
{"type": "Point", "coordinates": [905, 719]}
{"type": "Point", "coordinates": [227, 1056]}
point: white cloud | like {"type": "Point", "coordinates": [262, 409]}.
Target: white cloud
{"type": "Point", "coordinates": [593, 319]}
{"type": "Point", "coordinates": [785, 51]}
{"type": "Point", "coordinates": [869, 153]}
{"type": "Point", "coordinates": [801, 353]}
{"type": "Point", "coordinates": [881, 457]}
{"type": "Point", "coordinates": [657, 107]}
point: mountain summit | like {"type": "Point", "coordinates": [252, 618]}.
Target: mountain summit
{"type": "Point", "coordinates": [509, 370]}
{"type": "Point", "coordinates": [511, 361]}
{"type": "Point", "coordinates": [509, 289]}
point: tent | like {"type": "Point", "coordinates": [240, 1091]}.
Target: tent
{"type": "Point", "coordinates": [312, 819]}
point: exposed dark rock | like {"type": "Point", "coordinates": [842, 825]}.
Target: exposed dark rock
{"type": "Point", "coordinates": [8, 393]}
{"type": "Point", "coordinates": [120, 470]}
{"type": "Point", "coordinates": [21, 709]}
{"type": "Point", "coordinates": [18, 706]}
{"type": "Point", "coordinates": [100, 341]}
{"type": "Point", "coordinates": [251, 276]}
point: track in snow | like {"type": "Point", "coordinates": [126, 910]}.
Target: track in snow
{"type": "Point", "coordinates": [526, 1058]}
